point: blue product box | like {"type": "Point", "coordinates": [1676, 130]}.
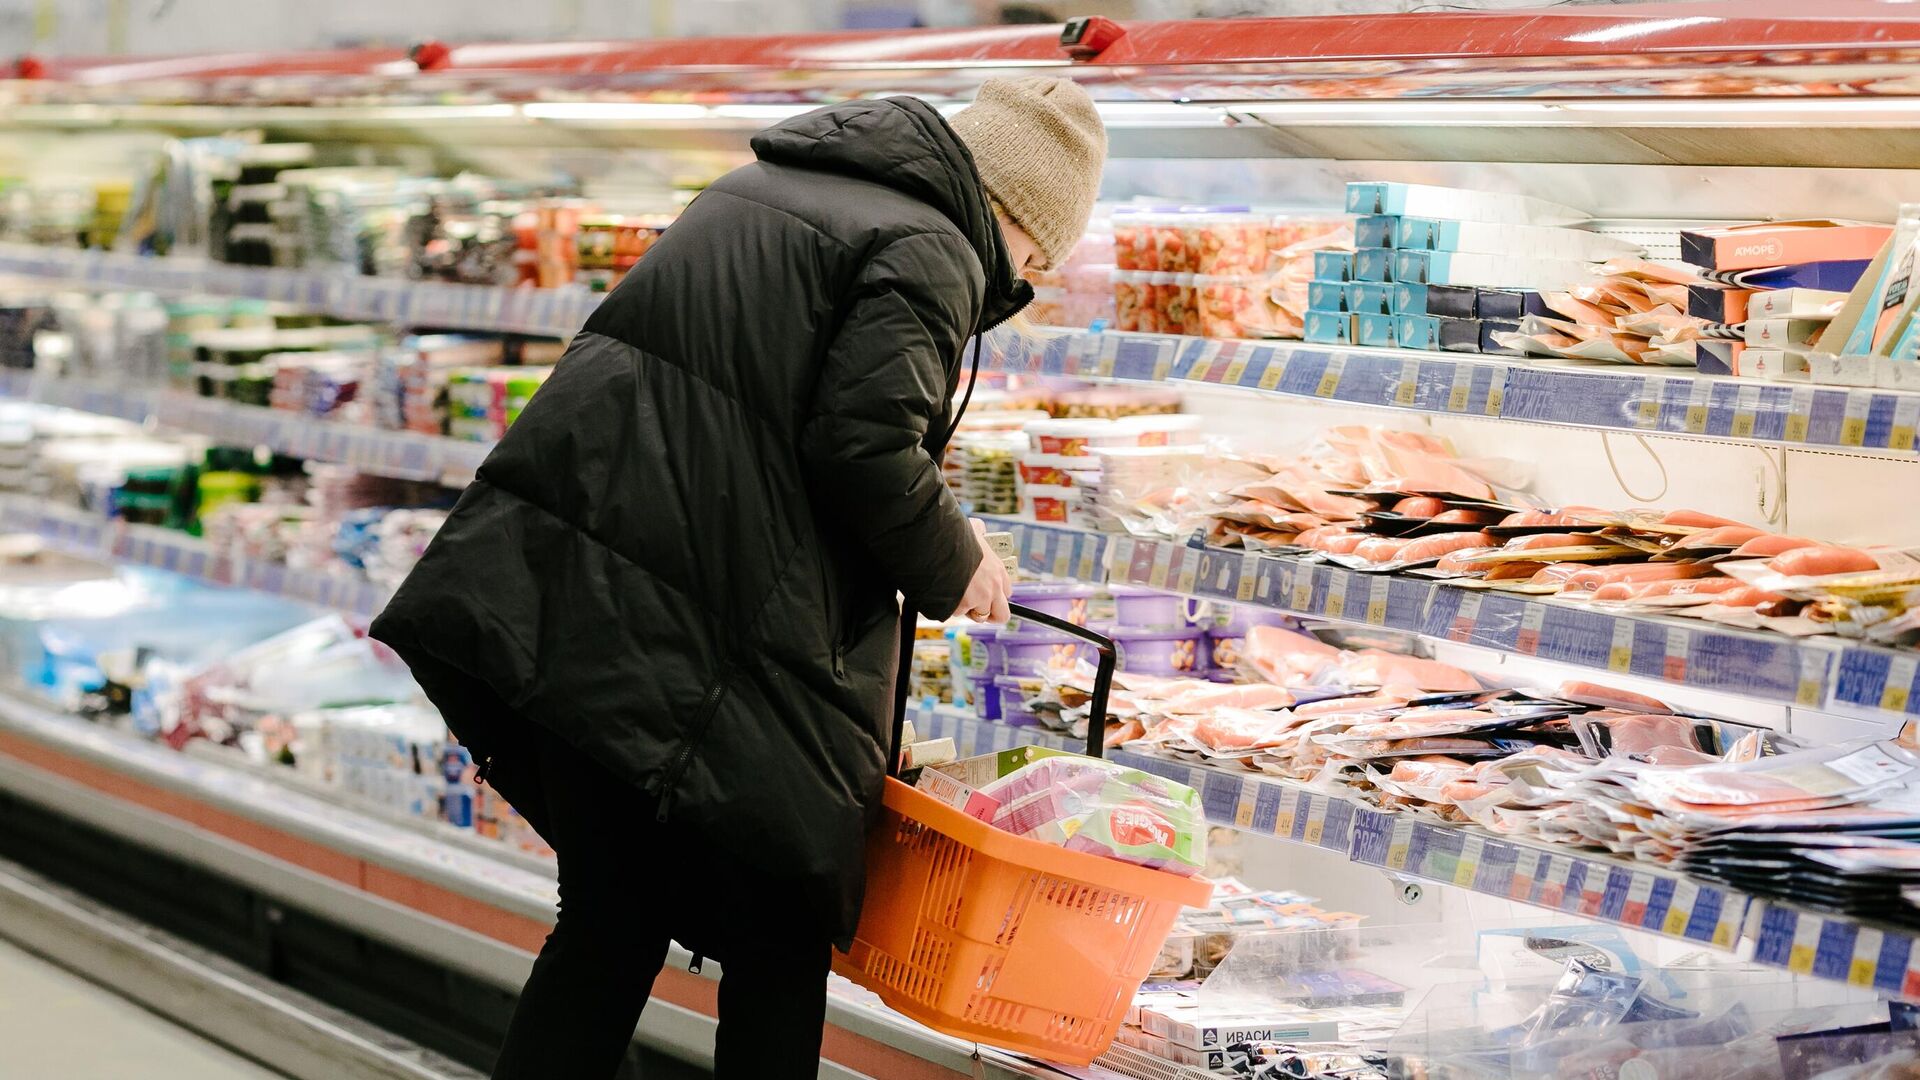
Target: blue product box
{"type": "Point", "coordinates": [1413, 266]}
{"type": "Point", "coordinates": [1460, 335]}
{"type": "Point", "coordinates": [1329, 328]}
{"type": "Point", "coordinates": [1420, 234]}
{"type": "Point", "coordinates": [1376, 231]}
{"type": "Point", "coordinates": [1490, 327]}
{"type": "Point", "coordinates": [1370, 297]}
{"type": "Point", "coordinates": [1326, 295]}
{"type": "Point", "coordinates": [1716, 357]}
{"type": "Point", "coordinates": [1445, 301]}
{"type": "Point", "coordinates": [1373, 264]}
{"type": "Point", "coordinates": [1417, 331]}
{"type": "Point", "coordinates": [1376, 331]}
{"type": "Point", "coordinates": [1333, 265]}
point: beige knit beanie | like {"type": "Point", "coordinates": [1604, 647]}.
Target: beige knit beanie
{"type": "Point", "coordinates": [1039, 146]}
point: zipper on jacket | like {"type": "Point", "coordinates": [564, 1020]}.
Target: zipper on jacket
{"type": "Point", "coordinates": [691, 742]}
{"type": "Point", "coordinates": [694, 965]}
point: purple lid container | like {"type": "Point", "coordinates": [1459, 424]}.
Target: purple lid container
{"type": "Point", "coordinates": [1011, 702]}
{"type": "Point", "coordinates": [1065, 601]}
{"type": "Point", "coordinates": [1030, 651]}
{"type": "Point", "coordinates": [1149, 608]}
{"type": "Point", "coordinates": [1169, 653]}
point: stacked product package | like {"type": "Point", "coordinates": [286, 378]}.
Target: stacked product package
{"type": "Point", "coordinates": [1074, 471]}
{"type": "Point", "coordinates": [1447, 269]}
{"type": "Point", "coordinates": [1216, 271]}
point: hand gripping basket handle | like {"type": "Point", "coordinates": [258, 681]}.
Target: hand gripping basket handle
{"type": "Point", "coordinates": [1102, 682]}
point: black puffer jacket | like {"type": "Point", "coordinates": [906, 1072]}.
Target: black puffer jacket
{"type": "Point", "coordinates": [683, 558]}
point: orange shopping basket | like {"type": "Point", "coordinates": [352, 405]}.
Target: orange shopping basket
{"type": "Point", "coordinates": [1002, 940]}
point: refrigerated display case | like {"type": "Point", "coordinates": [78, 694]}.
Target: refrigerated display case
{"type": "Point", "coordinates": [1649, 120]}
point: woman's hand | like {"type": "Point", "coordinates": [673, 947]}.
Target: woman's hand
{"type": "Point", "coordinates": [986, 597]}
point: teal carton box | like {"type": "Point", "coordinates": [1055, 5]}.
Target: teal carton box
{"type": "Point", "coordinates": [1370, 297]}
{"type": "Point", "coordinates": [1327, 295]}
{"type": "Point", "coordinates": [1329, 328]}
{"type": "Point", "coordinates": [1378, 331]}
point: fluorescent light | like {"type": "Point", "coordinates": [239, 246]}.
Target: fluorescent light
{"type": "Point", "coordinates": [1158, 113]}
{"type": "Point", "coordinates": [761, 112]}
{"type": "Point", "coordinates": [612, 111]}
{"type": "Point", "coordinates": [1630, 30]}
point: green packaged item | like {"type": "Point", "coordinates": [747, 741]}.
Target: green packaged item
{"type": "Point", "coordinates": [1086, 804]}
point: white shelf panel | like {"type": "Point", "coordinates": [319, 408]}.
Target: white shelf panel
{"type": "Point", "coordinates": [405, 454]}
{"type": "Point", "coordinates": [1671, 401]}
{"type": "Point", "coordinates": [544, 312]}
{"type": "Point", "coordinates": [87, 534]}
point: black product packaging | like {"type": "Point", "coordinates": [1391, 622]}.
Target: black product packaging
{"type": "Point", "coordinates": [1510, 305]}
{"type": "Point", "coordinates": [1490, 327]}
{"type": "Point", "coordinates": [1460, 335]}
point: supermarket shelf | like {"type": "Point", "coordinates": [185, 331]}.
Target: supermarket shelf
{"type": "Point", "coordinates": [474, 913]}
{"type": "Point", "coordinates": [1838, 948]}
{"type": "Point", "coordinates": [1598, 887]}
{"type": "Point", "coordinates": [1852, 679]}
{"type": "Point", "coordinates": [546, 312]}
{"type": "Point", "coordinates": [87, 534]}
{"type": "Point", "coordinates": [405, 454]}
{"type": "Point", "coordinates": [1456, 384]}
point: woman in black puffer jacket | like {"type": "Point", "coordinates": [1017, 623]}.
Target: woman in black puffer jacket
{"type": "Point", "coordinates": [665, 617]}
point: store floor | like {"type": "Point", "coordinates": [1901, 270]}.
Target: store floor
{"type": "Point", "coordinates": [58, 1026]}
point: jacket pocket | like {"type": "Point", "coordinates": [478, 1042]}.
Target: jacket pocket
{"type": "Point", "coordinates": [690, 741]}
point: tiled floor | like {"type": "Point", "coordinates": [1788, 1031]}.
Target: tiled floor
{"type": "Point", "coordinates": [56, 1026]}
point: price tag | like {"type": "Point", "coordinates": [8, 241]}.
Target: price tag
{"type": "Point", "coordinates": [1089, 549]}
{"type": "Point", "coordinates": [1744, 407]}
{"type": "Point", "coordinates": [1620, 652]}
{"type": "Point", "coordinates": [1462, 388]}
{"type": "Point", "coordinates": [1799, 413]}
{"type": "Point", "coordinates": [1674, 667]}
{"type": "Point", "coordinates": [1468, 864]}
{"type": "Point", "coordinates": [1236, 368]}
{"type": "Point", "coordinates": [1813, 677]}
{"type": "Point", "coordinates": [1554, 893]}
{"type": "Point", "coordinates": [1400, 842]}
{"type": "Point", "coordinates": [1531, 621]}
{"type": "Point", "coordinates": [1465, 618]}
{"type": "Point", "coordinates": [1189, 571]}
{"type": "Point", "coordinates": [1204, 360]}
{"type": "Point", "coordinates": [1906, 416]}
{"type": "Point", "coordinates": [1289, 815]}
{"type": "Point", "coordinates": [1900, 672]}
{"type": "Point", "coordinates": [1123, 559]}
{"type": "Point", "coordinates": [1316, 818]}
{"type": "Point", "coordinates": [1408, 388]}
{"type": "Point", "coordinates": [1496, 392]}
{"type": "Point", "coordinates": [1276, 370]}
{"type": "Point", "coordinates": [1106, 356]}
{"type": "Point", "coordinates": [1680, 912]}
{"type": "Point", "coordinates": [1377, 601]}
{"type": "Point", "coordinates": [1648, 414]}
{"type": "Point", "coordinates": [1853, 423]}
{"type": "Point", "coordinates": [1249, 797]}
{"type": "Point", "coordinates": [1062, 553]}
{"type": "Point", "coordinates": [1638, 894]}
{"type": "Point", "coordinates": [1806, 937]}
{"type": "Point", "coordinates": [1337, 594]}
{"type": "Point", "coordinates": [1302, 588]}
{"type": "Point", "coordinates": [1249, 570]}
{"type": "Point", "coordinates": [1162, 565]}
{"type": "Point", "coordinates": [1866, 956]}
{"type": "Point", "coordinates": [1164, 358]}
{"type": "Point", "coordinates": [1697, 399]}
{"type": "Point", "coordinates": [1330, 378]}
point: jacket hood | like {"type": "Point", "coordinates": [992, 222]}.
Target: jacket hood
{"type": "Point", "coordinates": [906, 144]}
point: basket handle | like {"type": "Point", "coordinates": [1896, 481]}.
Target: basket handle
{"type": "Point", "coordinates": [1102, 684]}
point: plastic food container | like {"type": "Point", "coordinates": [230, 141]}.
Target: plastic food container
{"type": "Point", "coordinates": [1148, 608]}
{"type": "Point", "coordinates": [1163, 652]}
{"type": "Point", "coordinates": [1174, 429]}
{"type": "Point", "coordinates": [1058, 470]}
{"type": "Point", "coordinates": [1067, 602]}
{"type": "Point", "coordinates": [1032, 651]}
{"type": "Point", "coordinates": [1069, 438]}
{"type": "Point", "coordinates": [1049, 503]}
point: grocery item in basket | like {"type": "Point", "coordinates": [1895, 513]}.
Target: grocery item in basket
{"type": "Point", "coordinates": [1086, 804]}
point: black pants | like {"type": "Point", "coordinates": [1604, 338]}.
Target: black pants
{"type": "Point", "coordinates": [577, 1013]}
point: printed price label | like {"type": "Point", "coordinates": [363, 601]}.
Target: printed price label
{"type": "Point", "coordinates": [1162, 565]}
{"type": "Point", "coordinates": [1289, 814]}
{"type": "Point", "coordinates": [1400, 841]}
{"type": "Point", "coordinates": [1698, 397]}
{"type": "Point", "coordinates": [1462, 388]}
{"type": "Point", "coordinates": [1206, 361]}
{"type": "Point", "coordinates": [1554, 893]}
{"type": "Point", "coordinates": [1089, 549]}
{"type": "Point", "coordinates": [1189, 570]}
{"type": "Point", "coordinates": [1806, 937]}
{"type": "Point", "coordinates": [1674, 667]}
{"type": "Point", "coordinates": [1164, 358]}
{"type": "Point", "coordinates": [1744, 407]}
{"type": "Point", "coordinates": [1866, 956]}
{"type": "Point", "coordinates": [1302, 588]}
{"type": "Point", "coordinates": [1471, 851]}
{"type": "Point", "coordinates": [1249, 797]}
{"type": "Point", "coordinates": [1531, 621]}
{"type": "Point", "coordinates": [1496, 392]}
{"type": "Point", "coordinates": [1620, 652]}
{"type": "Point", "coordinates": [1853, 423]}
{"type": "Point", "coordinates": [1407, 389]}
{"type": "Point", "coordinates": [1330, 378]}
{"type": "Point", "coordinates": [1906, 415]}
{"type": "Point", "coordinates": [1123, 558]}
{"type": "Point", "coordinates": [1377, 601]}
{"type": "Point", "coordinates": [1062, 553]}
{"type": "Point", "coordinates": [1276, 370]}
{"type": "Point", "coordinates": [1799, 413]}
{"type": "Point", "coordinates": [1813, 677]}
{"type": "Point", "coordinates": [1647, 415]}
{"type": "Point", "coordinates": [1465, 618]}
{"type": "Point", "coordinates": [1680, 912]}
{"type": "Point", "coordinates": [1900, 672]}
{"type": "Point", "coordinates": [1249, 570]}
{"type": "Point", "coordinates": [1337, 594]}
{"type": "Point", "coordinates": [1316, 818]}
{"type": "Point", "coordinates": [1236, 368]}
{"type": "Point", "coordinates": [1638, 894]}
{"type": "Point", "coordinates": [1106, 356]}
